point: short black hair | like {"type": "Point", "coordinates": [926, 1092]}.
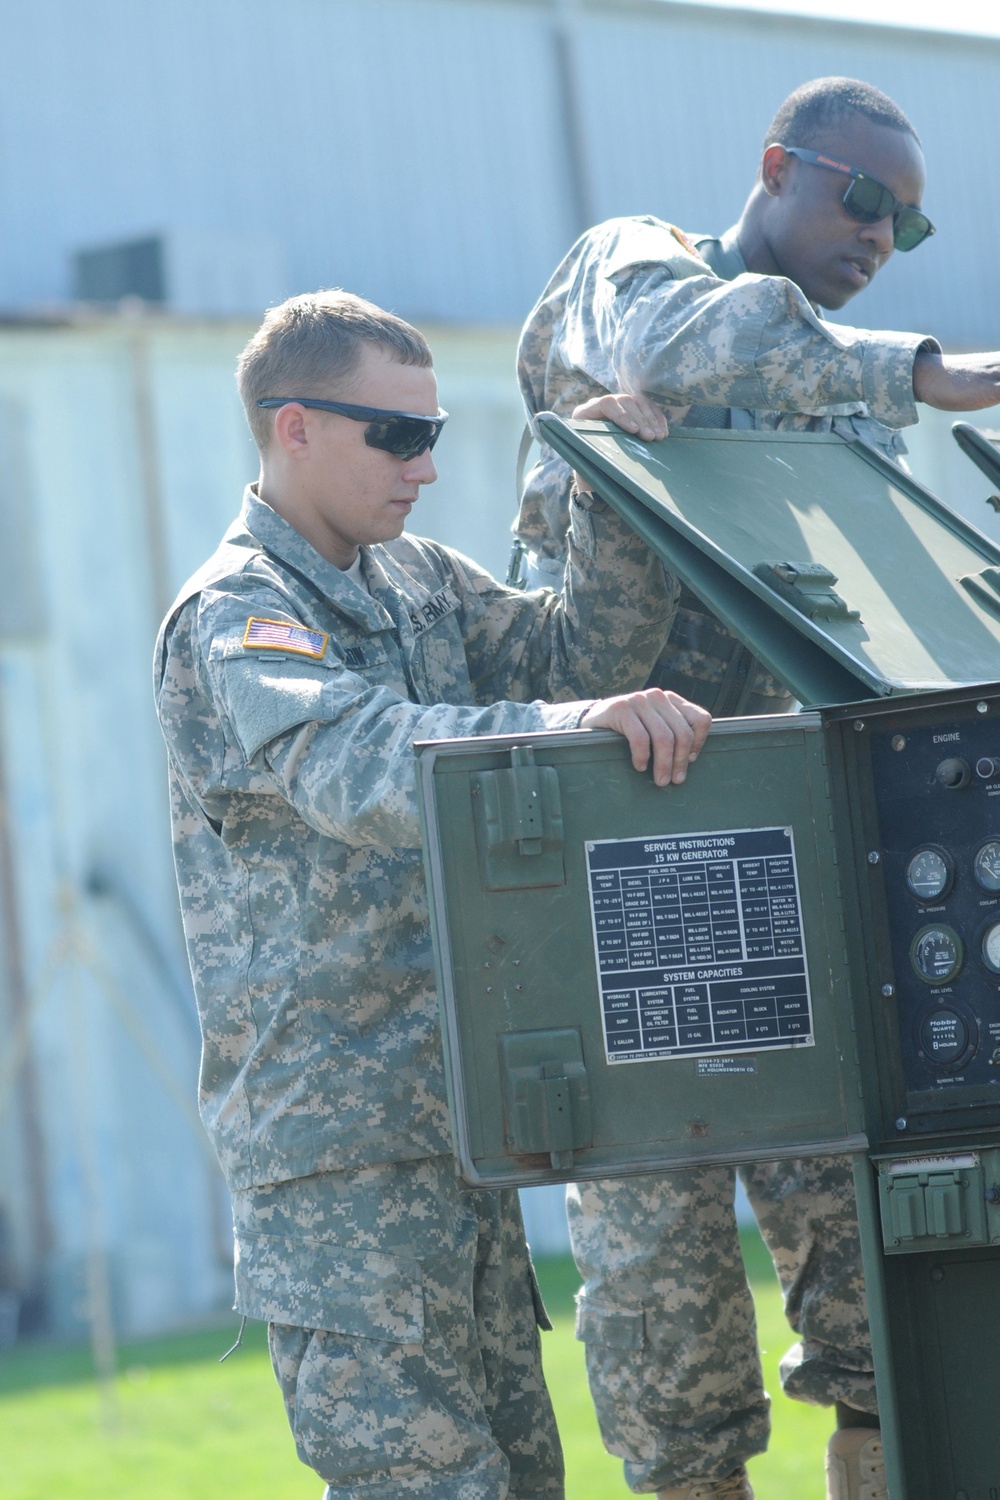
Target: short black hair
{"type": "Point", "coordinates": [813, 108]}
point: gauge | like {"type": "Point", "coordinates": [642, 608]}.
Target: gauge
{"type": "Point", "coordinates": [986, 865]}
{"type": "Point", "coordinates": [936, 954]}
{"type": "Point", "coordinates": [929, 874]}
{"type": "Point", "coordinates": [944, 1037]}
{"type": "Point", "coordinates": [991, 947]}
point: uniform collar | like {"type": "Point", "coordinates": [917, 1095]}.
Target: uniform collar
{"type": "Point", "coordinates": [280, 539]}
{"type": "Point", "coordinates": [724, 255]}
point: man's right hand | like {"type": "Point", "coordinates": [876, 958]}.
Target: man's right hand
{"type": "Point", "coordinates": [957, 382]}
{"type": "Point", "coordinates": [656, 723]}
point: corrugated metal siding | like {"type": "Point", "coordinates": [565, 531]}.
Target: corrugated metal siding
{"type": "Point", "coordinates": [416, 150]}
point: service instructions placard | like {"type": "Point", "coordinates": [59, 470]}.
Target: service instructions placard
{"type": "Point", "coordinates": [699, 944]}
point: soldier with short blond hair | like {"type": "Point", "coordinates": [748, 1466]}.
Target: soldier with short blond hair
{"type": "Point", "coordinates": [293, 674]}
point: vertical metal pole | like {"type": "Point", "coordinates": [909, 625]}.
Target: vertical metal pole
{"type": "Point", "coordinates": [571, 111]}
{"type": "Point", "coordinates": [99, 1313]}
{"type": "Point", "coordinates": [40, 1232]}
{"type": "Point", "coordinates": [149, 473]}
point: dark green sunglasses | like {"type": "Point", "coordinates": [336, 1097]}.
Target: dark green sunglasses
{"type": "Point", "coordinates": [404, 434]}
{"type": "Point", "coordinates": [869, 200]}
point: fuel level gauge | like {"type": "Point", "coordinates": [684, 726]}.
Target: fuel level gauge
{"type": "Point", "coordinates": [986, 865]}
{"type": "Point", "coordinates": [930, 872]}
{"type": "Point", "coordinates": [936, 953]}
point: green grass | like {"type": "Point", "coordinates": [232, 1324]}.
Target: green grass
{"type": "Point", "coordinates": [183, 1427]}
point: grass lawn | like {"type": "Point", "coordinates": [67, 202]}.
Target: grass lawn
{"type": "Point", "coordinates": [184, 1427]}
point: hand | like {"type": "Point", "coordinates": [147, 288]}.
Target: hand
{"type": "Point", "coordinates": [665, 724]}
{"type": "Point", "coordinates": [957, 382]}
{"type": "Point", "coordinates": [635, 414]}
{"type": "Point", "coordinates": [632, 413]}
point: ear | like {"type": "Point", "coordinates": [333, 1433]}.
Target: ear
{"type": "Point", "coordinates": [774, 170]}
{"type": "Point", "coordinates": [290, 429]}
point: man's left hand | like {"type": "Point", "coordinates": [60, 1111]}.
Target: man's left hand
{"type": "Point", "coordinates": [635, 414]}
{"type": "Point", "coordinates": [656, 723]}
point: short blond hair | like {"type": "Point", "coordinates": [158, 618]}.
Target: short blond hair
{"type": "Point", "coordinates": [311, 345]}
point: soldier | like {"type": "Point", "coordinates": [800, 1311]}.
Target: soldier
{"type": "Point", "coordinates": [293, 674]}
{"type": "Point", "coordinates": [725, 333]}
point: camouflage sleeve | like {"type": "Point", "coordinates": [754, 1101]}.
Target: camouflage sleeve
{"type": "Point", "coordinates": [334, 744]}
{"type": "Point", "coordinates": [753, 342]}
{"type": "Point", "coordinates": [602, 634]}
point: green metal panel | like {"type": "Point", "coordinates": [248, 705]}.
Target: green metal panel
{"type": "Point", "coordinates": [649, 1003]}
{"type": "Point", "coordinates": [910, 594]}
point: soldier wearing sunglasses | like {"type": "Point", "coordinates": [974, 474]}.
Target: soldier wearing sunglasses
{"type": "Point", "coordinates": [729, 332]}
{"type": "Point", "coordinates": [294, 672]}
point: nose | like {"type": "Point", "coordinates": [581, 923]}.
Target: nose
{"type": "Point", "coordinates": [880, 236]}
{"type": "Point", "coordinates": [421, 470]}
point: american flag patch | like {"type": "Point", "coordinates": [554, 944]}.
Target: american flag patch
{"type": "Point", "coordinates": [278, 635]}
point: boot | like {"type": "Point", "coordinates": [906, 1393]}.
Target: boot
{"type": "Point", "coordinates": [855, 1466]}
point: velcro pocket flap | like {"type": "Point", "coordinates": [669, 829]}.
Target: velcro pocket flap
{"type": "Point", "coordinates": [615, 1327]}
{"type": "Point", "coordinates": [311, 1284]}
{"type": "Point", "coordinates": [267, 698]}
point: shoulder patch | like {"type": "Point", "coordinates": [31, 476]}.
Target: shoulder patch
{"type": "Point", "coordinates": [279, 635]}
{"type": "Point", "coordinates": [682, 239]}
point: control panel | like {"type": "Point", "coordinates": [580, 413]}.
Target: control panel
{"type": "Point", "coordinates": [936, 784]}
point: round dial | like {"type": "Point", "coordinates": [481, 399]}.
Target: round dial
{"type": "Point", "coordinates": [986, 865]}
{"type": "Point", "coordinates": [936, 954]}
{"type": "Point", "coordinates": [929, 874]}
{"type": "Point", "coordinates": [991, 947]}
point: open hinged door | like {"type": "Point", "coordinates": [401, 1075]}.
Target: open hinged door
{"type": "Point", "coordinates": [635, 977]}
{"type": "Point", "coordinates": [841, 572]}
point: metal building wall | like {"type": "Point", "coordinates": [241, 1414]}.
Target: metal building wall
{"type": "Point", "coordinates": [440, 155]}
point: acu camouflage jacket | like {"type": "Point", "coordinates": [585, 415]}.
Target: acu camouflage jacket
{"type": "Point", "coordinates": [638, 306]}
{"type": "Point", "coordinates": [289, 699]}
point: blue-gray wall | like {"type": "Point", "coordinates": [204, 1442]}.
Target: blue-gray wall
{"type": "Point", "coordinates": [439, 155]}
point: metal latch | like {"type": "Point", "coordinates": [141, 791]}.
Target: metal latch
{"type": "Point", "coordinates": [926, 1209]}
{"type": "Point", "coordinates": [985, 589]}
{"type": "Point", "coordinates": [546, 1094]}
{"type": "Point", "coordinates": [807, 587]}
{"type": "Point", "coordinates": [519, 825]}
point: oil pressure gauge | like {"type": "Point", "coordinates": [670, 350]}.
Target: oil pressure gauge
{"type": "Point", "coordinates": [936, 953]}
{"type": "Point", "coordinates": [986, 865]}
{"type": "Point", "coordinates": [930, 872]}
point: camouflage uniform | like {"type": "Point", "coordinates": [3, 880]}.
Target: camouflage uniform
{"type": "Point", "coordinates": [403, 1312]}
{"type": "Point", "coordinates": [664, 1311]}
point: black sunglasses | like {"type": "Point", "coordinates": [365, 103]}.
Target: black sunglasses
{"type": "Point", "coordinates": [404, 434]}
{"type": "Point", "coordinates": [869, 200]}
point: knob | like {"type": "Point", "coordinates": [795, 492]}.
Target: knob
{"type": "Point", "coordinates": [953, 773]}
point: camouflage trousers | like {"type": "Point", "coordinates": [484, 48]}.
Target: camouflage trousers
{"type": "Point", "coordinates": [668, 1320]}
{"type": "Point", "coordinates": [403, 1327]}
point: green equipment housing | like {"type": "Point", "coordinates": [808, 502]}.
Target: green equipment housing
{"type": "Point", "coordinates": [797, 951]}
